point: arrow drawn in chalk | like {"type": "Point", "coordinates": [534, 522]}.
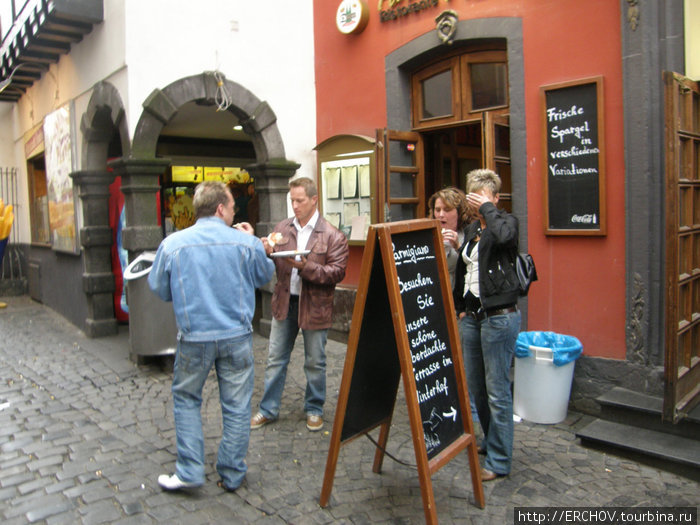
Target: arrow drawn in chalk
{"type": "Point", "coordinates": [452, 414]}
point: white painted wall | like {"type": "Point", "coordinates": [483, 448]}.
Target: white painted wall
{"type": "Point", "coordinates": [259, 44]}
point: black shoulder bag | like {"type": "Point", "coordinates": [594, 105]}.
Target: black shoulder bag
{"type": "Point", "coordinates": [526, 271]}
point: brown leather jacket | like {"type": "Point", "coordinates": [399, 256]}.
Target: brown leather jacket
{"type": "Point", "coordinates": [325, 267]}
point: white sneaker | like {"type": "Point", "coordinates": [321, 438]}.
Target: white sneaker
{"type": "Point", "coordinates": [175, 483]}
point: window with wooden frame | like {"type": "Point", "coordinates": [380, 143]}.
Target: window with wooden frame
{"type": "Point", "coordinates": [454, 89]}
{"type": "Point", "coordinates": [38, 200]}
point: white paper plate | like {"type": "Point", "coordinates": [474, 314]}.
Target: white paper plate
{"type": "Point", "coordinates": [290, 253]}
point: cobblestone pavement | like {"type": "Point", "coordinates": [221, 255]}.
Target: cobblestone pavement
{"type": "Point", "coordinates": [84, 433]}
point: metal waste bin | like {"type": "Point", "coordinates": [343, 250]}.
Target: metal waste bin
{"type": "Point", "coordinates": [152, 327]}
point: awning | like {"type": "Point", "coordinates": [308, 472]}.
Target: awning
{"type": "Point", "coordinates": [42, 31]}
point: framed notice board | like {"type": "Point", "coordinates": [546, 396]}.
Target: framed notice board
{"type": "Point", "coordinates": [574, 148]}
{"type": "Point", "coordinates": [404, 326]}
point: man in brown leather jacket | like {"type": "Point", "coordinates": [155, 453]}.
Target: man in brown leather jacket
{"type": "Point", "coordinates": [303, 299]}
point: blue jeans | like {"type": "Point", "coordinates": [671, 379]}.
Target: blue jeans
{"type": "Point", "coordinates": [282, 337]}
{"type": "Point", "coordinates": [488, 347]}
{"type": "Point", "coordinates": [233, 359]}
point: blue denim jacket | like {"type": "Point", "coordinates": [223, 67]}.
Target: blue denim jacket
{"type": "Point", "coordinates": [210, 272]}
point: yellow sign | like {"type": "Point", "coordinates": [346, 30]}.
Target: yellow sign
{"type": "Point", "coordinates": [187, 174]}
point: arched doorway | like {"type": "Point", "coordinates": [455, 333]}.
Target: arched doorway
{"type": "Point", "coordinates": [105, 135]}
{"type": "Point", "coordinates": [141, 169]}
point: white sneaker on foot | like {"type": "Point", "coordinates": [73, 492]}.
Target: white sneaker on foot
{"type": "Point", "coordinates": [175, 483]}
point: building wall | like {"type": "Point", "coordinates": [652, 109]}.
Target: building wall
{"type": "Point", "coordinates": [581, 290]}
{"type": "Point", "coordinates": [144, 46]}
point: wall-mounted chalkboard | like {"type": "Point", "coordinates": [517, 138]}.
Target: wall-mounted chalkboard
{"type": "Point", "coordinates": [574, 148]}
{"type": "Point", "coordinates": [404, 326]}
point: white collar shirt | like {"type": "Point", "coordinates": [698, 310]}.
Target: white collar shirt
{"type": "Point", "coordinates": [303, 235]}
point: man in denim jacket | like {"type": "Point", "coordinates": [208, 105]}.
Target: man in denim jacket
{"type": "Point", "coordinates": [210, 272]}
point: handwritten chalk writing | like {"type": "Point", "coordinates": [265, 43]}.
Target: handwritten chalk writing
{"type": "Point", "coordinates": [558, 114]}
{"type": "Point", "coordinates": [446, 361]}
{"type": "Point", "coordinates": [432, 441]}
{"type": "Point", "coordinates": [427, 371]}
{"type": "Point", "coordinates": [428, 392]}
{"type": "Point", "coordinates": [415, 325]}
{"type": "Point", "coordinates": [589, 218]}
{"type": "Point", "coordinates": [418, 282]}
{"type": "Point", "coordinates": [412, 254]}
{"type": "Point", "coordinates": [571, 170]}
{"type": "Point", "coordinates": [574, 151]}
{"type": "Point", "coordinates": [437, 346]}
{"type": "Point", "coordinates": [424, 301]}
{"type": "Point", "coordinates": [423, 337]}
{"type": "Point", "coordinates": [576, 131]}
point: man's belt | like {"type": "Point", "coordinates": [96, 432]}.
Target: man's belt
{"type": "Point", "coordinates": [480, 314]}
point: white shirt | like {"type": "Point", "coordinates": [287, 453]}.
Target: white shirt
{"type": "Point", "coordinates": [471, 278]}
{"type": "Point", "coordinates": [303, 235]}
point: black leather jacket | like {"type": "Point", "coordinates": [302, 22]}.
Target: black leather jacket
{"type": "Point", "coordinates": [498, 248]}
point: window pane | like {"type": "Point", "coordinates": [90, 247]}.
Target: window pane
{"type": "Point", "coordinates": [489, 85]}
{"type": "Point", "coordinates": [402, 212]}
{"type": "Point", "coordinates": [502, 140]}
{"type": "Point", "coordinates": [402, 185]}
{"type": "Point", "coordinates": [39, 203]}
{"type": "Point", "coordinates": [437, 95]}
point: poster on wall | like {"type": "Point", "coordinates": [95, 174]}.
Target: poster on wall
{"type": "Point", "coordinates": [59, 165]}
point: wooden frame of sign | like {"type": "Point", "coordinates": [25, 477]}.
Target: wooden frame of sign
{"type": "Point", "coordinates": [574, 152]}
{"type": "Point", "coordinates": [405, 285]}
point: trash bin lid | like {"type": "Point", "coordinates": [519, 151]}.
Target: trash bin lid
{"type": "Point", "coordinates": [140, 266]}
{"type": "Point", "coordinates": [565, 348]}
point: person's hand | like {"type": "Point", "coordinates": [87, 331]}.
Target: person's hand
{"type": "Point", "coordinates": [450, 237]}
{"type": "Point", "coordinates": [244, 227]}
{"type": "Point", "coordinates": [476, 200]}
{"type": "Point", "coordinates": [298, 264]}
{"type": "Point", "coordinates": [266, 245]}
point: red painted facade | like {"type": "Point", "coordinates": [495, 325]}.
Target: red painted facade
{"type": "Point", "coordinates": [581, 287]}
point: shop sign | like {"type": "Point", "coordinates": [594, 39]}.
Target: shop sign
{"type": "Point", "coordinates": [352, 16]}
{"type": "Point", "coordinates": [396, 11]}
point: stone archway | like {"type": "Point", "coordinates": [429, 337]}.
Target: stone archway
{"type": "Point", "coordinates": [104, 114]}
{"type": "Point", "coordinates": [141, 169]}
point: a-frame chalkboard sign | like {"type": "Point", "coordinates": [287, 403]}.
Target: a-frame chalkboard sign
{"type": "Point", "coordinates": [404, 326]}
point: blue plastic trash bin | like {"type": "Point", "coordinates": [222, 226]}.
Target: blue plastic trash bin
{"type": "Point", "coordinates": [544, 370]}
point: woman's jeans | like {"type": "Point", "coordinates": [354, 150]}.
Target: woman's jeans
{"type": "Point", "coordinates": [233, 360]}
{"type": "Point", "coordinates": [282, 337]}
{"type": "Point", "coordinates": [488, 347]}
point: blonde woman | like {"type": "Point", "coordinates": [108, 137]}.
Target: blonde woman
{"type": "Point", "coordinates": [486, 295]}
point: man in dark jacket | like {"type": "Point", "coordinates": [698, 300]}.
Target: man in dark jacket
{"type": "Point", "coordinates": [302, 299]}
{"type": "Point", "coordinates": [486, 294]}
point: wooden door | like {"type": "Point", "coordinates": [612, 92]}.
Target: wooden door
{"type": "Point", "coordinates": [400, 172]}
{"type": "Point", "coordinates": [496, 153]}
{"type": "Point", "coordinates": [682, 336]}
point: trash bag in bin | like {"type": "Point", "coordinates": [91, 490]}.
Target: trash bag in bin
{"type": "Point", "coordinates": [544, 370]}
{"type": "Point", "coordinates": [565, 348]}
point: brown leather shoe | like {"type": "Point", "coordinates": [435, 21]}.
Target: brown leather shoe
{"type": "Point", "coordinates": [258, 420]}
{"type": "Point", "coordinates": [487, 475]}
{"type": "Point", "coordinates": [314, 423]}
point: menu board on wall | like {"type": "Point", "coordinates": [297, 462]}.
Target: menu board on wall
{"type": "Point", "coordinates": [574, 148]}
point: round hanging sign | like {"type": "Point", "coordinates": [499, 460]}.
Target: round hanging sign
{"type": "Point", "coordinates": [352, 16]}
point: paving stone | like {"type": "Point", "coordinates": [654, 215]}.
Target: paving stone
{"type": "Point", "coordinates": [97, 438]}
{"type": "Point", "coordinates": [45, 511]}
